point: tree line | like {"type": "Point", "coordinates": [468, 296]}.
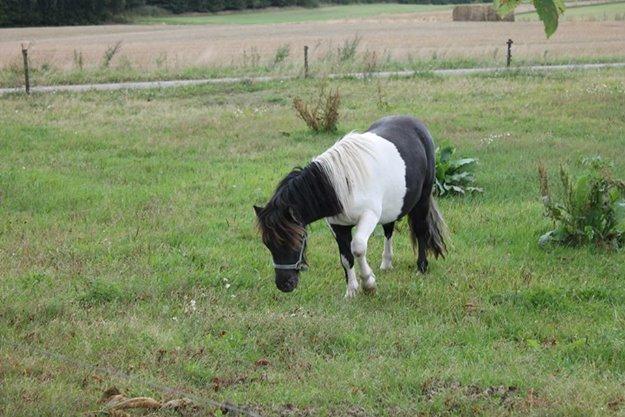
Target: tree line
{"type": "Point", "coordinates": [84, 12]}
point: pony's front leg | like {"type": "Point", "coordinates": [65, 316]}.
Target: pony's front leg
{"type": "Point", "coordinates": [343, 236]}
{"type": "Point", "coordinates": [387, 255]}
{"type": "Point", "coordinates": [364, 229]}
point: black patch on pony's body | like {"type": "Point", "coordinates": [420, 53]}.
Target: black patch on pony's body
{"type": "Point", "coordinates": [416, 147]}
{"type": "Point", "coordinates": [302, 196]}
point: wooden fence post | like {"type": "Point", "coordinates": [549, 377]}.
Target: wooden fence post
{"type": "Point", "coordinates": [306, 61]}
{"type": "Point", "coordinates": [509, 56]}
{"type": "Point", "coordinates": [26, 74]}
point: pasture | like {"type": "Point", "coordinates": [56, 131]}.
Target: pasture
{"type": "Point", "coordinates": [127, 240]}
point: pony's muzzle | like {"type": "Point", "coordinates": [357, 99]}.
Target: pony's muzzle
{"type": "Point", "coordinates": [287, 279]}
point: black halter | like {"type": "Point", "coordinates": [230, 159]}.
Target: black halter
{"type": "Point", "coordinates": [300, 264]}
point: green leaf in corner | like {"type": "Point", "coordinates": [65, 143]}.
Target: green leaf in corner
{"type": "Point", "coordinates": [560, 5]}
{"type": "Point", "coordinates": [505, 7]}
{"type": "Point", "coordinates": [549, 12]}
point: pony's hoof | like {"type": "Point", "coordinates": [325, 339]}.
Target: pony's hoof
{"type": "Point", "coordinates": [351, 292]}
{"type": "Point", "coordinates": [368, 283]}
{"type": "Point", "coordinates": [386, 266]}
{"type": "Point", "coordinates": [422, 266]}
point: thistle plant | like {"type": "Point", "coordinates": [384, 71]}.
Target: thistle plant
{"type": "Point", "coordinates": [592, 206]}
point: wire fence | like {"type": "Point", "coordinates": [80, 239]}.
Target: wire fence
{"type": "Point", "coordinates": [141, 85]}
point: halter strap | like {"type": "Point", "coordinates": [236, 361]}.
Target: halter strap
{"type": "Point", "coordinates": [300, 264]}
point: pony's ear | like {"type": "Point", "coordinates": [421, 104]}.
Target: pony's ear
{"type": "Point", "coordinates": [257, 210]}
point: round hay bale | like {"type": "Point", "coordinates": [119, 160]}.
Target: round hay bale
{"type": "Point", "coordinates": [478, 13]}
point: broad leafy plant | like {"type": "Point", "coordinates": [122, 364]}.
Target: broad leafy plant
{"type": "Point", "coordinates": [454, 176]}
{"type": "Point", "coordinates": [592, 206]}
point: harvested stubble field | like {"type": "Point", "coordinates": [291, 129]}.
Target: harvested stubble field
{"type": "Point", "coordinates": [401, 38]}
{"type": "Point", "coordinates": [127, 240]}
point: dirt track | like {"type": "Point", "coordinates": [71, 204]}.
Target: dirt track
{"type": "Point", "coordinates": [420, 36]}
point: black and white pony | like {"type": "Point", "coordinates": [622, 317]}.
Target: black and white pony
{"type": "Point", "coordinates": [364, 179]}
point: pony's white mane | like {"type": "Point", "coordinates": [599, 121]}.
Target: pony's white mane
{"type": "Point", "coordinates": [347, 162]}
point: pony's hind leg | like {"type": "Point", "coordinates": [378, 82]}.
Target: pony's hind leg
{"type": "Point", "coordinates": [343, 236]}
{"type": "Point", "coordinates": [364, 229]}
{"type": "Point", "coordinates": [387, 255]}
{"type": "Point", "coordinates": [417, 218]}
{"type": "Point", "coordinates": [428, 228]}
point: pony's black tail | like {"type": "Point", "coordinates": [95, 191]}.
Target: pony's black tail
{"type": "Point", "coordinates": [437, 231]}
{"type": "Point", "coordinates": [434, 228]}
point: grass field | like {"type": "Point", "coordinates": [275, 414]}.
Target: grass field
{"type": "Point", "coordinates": [602, 11]}
{"type": "Point", "coordinates": [294, 15]}
{"type": "Point", "coordinates": [127, 240]}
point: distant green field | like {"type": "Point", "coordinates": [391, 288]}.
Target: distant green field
{"type": "Point", "coordinates": [292, 15]}
{"type": "Point", "coordinates": [604, 11]}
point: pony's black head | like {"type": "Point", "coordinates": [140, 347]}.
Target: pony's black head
{"type": "Point", "coordinates": [285, 237]}
{"type": "Point", "coordinates": [302, 197]}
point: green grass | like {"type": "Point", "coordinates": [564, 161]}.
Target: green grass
{"type": "Point", "coordinates": [291, 15]}
{"type": "Point", "coordinates": [602, 11]}
{"type": "Point", "coordinates": [120, 208]}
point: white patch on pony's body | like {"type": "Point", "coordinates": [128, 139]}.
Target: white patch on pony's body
{"type": "Point", "coordinates": [368, 174]}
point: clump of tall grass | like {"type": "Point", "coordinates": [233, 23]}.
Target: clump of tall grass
{"type": "Point", "coordinates": [281, 54]}
{"type": "Point", "coordinates": [78, 60]}
{"type": "Point", "coordinates": [382, 102]}
{"type": "Point", "coordinates": [251, 58]}
{"type": "Point", "coordinates": [323, 115]}
{"type": "Point", "coordinates": [347, 51]}
{"type": "Point", "coordinates": [110, 52]}
{"type": "Point", "coordinates": [161, 60]}
{"type": "Point", "coordinates": [591, 208]}
{"type": "Point", "coordinates": [370, 62]}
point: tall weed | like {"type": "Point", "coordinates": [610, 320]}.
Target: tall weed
{"type": "Point", "coordinates": [591, 209]}
{"type": "Point", "coordinates": [324, 114]}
